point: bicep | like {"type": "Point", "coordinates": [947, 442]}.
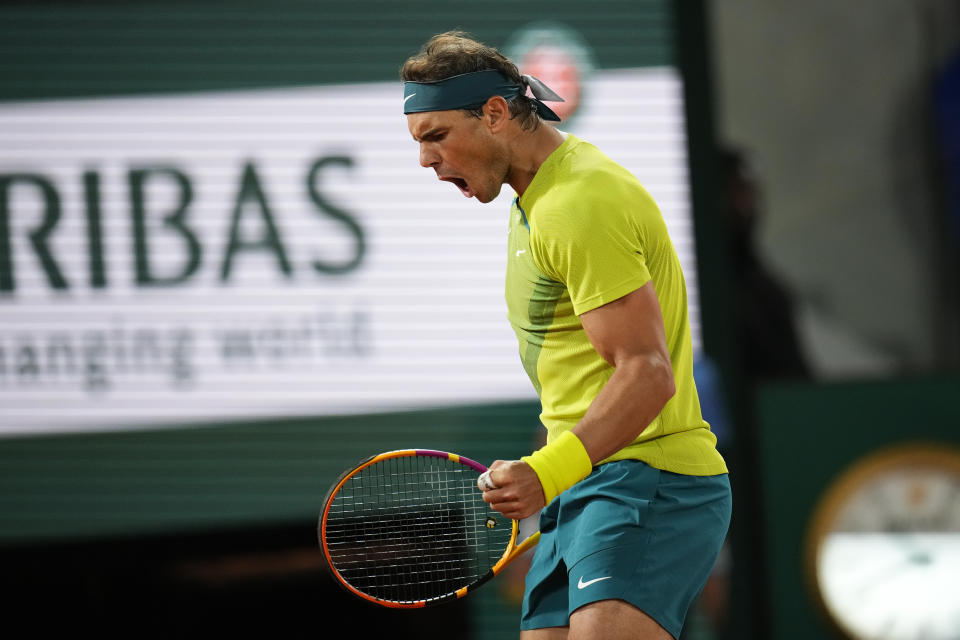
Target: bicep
{"type": "Point", "coordinates": [628, 327]}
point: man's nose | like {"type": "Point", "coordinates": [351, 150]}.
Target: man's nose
{"type": "Point", "coordinates": [428, 158]}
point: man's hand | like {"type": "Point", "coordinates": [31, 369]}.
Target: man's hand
{"type": "Point", "coordinates": [518, 493]}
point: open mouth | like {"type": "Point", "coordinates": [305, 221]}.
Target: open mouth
{"type": "Point", "coordinates": [460, 184]}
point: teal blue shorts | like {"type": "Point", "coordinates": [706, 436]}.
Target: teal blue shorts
{"type": "Point", "coordinates": [628, 532]}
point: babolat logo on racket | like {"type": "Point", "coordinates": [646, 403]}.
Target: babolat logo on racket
{"type": "Point", "coordinates": [409, 529]}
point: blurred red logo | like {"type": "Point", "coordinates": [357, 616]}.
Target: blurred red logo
{"type": "Point", "coordinates": [557, 55]}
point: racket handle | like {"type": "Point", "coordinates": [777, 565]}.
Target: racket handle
{"type": "Point", "coordinates": [484, 483]}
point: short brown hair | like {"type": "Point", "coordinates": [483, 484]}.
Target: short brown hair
{"type": "Point", "coordinates": [456, 52]}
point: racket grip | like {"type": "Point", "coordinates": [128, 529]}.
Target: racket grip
{"type": "Point", "coordinates": [484, 483]}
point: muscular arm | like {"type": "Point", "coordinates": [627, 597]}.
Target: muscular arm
{"type": "Point", "coordinates": [628, 333]}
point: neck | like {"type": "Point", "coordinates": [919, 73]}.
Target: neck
{"type": "Point", "coordinates": [530, 149]}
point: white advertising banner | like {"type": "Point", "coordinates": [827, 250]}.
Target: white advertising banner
{"type": "Point", "coordinates": [186, 259]}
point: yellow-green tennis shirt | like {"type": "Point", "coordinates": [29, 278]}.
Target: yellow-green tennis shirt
{"type": "Point", "coordinates": [585, 233]}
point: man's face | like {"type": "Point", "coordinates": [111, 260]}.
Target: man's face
{"type": "Point", "coordinates": [460, 149]}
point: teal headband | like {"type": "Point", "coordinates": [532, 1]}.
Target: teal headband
{"type": "Point", "coordinates": [472, 90]}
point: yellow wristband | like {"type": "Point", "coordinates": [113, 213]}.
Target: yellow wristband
{"type": "Point", "coordinates": [560, 465]}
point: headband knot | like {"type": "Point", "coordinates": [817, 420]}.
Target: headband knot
{"type": "Point", "coordinates": [472, 90]}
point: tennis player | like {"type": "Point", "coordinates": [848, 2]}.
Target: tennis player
{"type": "Point", "coordinates": [633, 496]}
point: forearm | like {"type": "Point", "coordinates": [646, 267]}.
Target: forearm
{"type": "Point", "coordinates": [631, 399]}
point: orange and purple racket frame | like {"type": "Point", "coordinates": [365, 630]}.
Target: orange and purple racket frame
{"type": "Point", "coordinates": [410, 529]}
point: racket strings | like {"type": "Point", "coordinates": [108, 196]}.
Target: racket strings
{"type": "Point", "coordinates": [413, 528]}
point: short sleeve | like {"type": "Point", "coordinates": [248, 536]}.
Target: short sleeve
{"type": "Point", "coordinates": [597, 254]}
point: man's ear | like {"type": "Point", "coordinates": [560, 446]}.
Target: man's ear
{"type": "Point", "coordinates": [496, 113]}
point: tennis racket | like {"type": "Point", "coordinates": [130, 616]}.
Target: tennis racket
{"type": "Point", "coordinates": [409, 529]}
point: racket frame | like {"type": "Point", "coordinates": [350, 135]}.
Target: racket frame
{"type": "Point", "coordinates": [512, 552]}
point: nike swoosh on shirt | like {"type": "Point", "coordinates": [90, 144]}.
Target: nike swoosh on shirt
{"type": "Point", "coordinates": [583, 585]}
{"type": "Point", "coordinates": [519, 251]}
